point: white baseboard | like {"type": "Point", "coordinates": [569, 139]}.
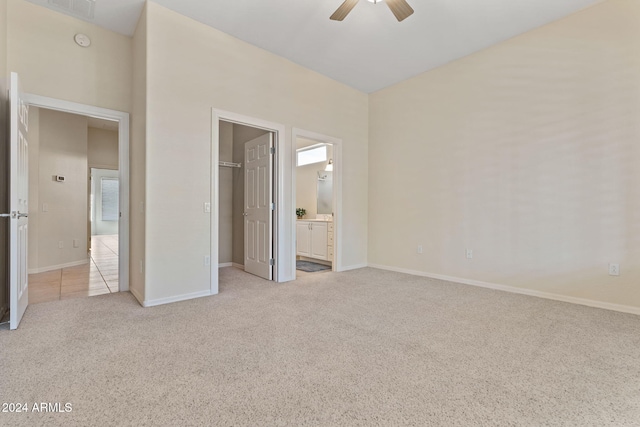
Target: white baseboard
{"type": "Point", "coordinates": [523, 291]}
{"type": "Point", "coordinates": [231, 264]}
{"type": "Point", "coordinates": [57, 267]}
{"type": "Point", "coordinates": [355, 267]}
{"type": "Point", "coordinates": [137, 296]}
{"type": "Point", "coordinates": [184, 297]}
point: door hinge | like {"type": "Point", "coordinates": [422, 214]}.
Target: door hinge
{"type": "Point", "coordinates": [273, 206]}
{"type": "Point", "coordinates": [272, 150]}
{"type": "Point", "coordinates": [272, 261]}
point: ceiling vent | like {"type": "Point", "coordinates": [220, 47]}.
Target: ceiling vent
{"type": "Point", "coordinates": [81, 8]}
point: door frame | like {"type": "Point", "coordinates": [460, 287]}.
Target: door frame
{"type": "Point", "coordinates": [282, 222]}
{"type": "Point", "coordinates": [123, 159]}
{"type": "Point", "coordinates": [337, 191]}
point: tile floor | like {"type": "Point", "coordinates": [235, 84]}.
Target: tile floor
{"type": "Point", "coordinates": [99, 276]}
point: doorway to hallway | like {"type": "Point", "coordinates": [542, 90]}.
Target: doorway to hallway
{"type": "Point", "coordinates": [74, 211]}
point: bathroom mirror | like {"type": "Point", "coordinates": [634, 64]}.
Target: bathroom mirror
{"type": "Point", "coordinates": [325, 192]}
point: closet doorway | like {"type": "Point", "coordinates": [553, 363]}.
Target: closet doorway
{"type": "Point", "coordinates": [247, 209]}
{"type": "Point", "coordinates": [245, 182]}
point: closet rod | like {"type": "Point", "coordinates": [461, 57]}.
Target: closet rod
{"type": "Point", "coordinates": [230, 164]}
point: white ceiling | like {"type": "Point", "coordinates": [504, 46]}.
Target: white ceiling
{"type": "Point", "coordinates": [369, 50]}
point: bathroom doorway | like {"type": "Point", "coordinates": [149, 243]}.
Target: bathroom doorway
{"type": "Point", "coordinates": [317, 190]}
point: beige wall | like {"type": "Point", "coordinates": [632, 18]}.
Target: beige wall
{"type": "Point", "coordinates": [225, 244]}
{"type": "Point", "coordinates": [77, 151]}
{"type": "Point", "coordinates": [4, 196]}
{"type": "Point", "coordinates": [527, 153]}
{"type": "Point", "coordinates": [102, 149]}
{"type": "Point", "coordinates": [42, 50]}
{"type": "Point", "coordinates": [62, 151]}
{"type": "Point", "coordinates": [307, 181]}
{"type": "Point", "coordinates": [192, 68]}
{"type": "Point", "coordinates": [137, 160]}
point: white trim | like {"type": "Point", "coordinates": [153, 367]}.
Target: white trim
{"type": "Point", "coordinates": [515, 290]}
{"type": "Point", "coordinates": [58, 267]}
{"type": "Point", "coordinates": [123, 159]}
{"type": "Point", "coordinates": [355, 267]}
{"type": "Point", "coordinates": [283, 221]}
{"type": "Point", "coordinates": [337, 192]}
{"type": "Point", "coordinates": [177, 298]}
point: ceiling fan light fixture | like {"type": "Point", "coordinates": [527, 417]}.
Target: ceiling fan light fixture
{"type": "Point", "coordinates": [400, 9]}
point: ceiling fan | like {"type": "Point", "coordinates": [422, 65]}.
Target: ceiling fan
{"type": "Point", "coordinates": [400, 9]}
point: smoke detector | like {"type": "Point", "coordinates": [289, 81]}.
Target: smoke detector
{"type": "Point", "coordinates": [81, 8]}
{"type": "Point", "coordinates": [83, 40]}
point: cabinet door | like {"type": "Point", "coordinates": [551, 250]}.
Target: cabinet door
{"type": "Point", "coordinates": [303, 239]}
{"type": "Point", "coordinates": [319, 240]}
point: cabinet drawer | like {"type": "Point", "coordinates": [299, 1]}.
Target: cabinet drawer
{"type": "Point", "coordinates": [330, 239]}
{"type": "Point", "coordinates": [330, 226]}
{"type": "Point", "coordinates": [330, 253]}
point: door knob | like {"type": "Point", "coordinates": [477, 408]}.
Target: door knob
{"type": "Point", "coordinates": [15, 215]}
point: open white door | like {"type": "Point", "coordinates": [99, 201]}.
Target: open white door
{"type": "Point", "coordinates": [258, 213]}
{"type": "Point", "coordinates": [18, 203]}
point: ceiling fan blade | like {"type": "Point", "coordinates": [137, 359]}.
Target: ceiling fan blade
{"type": "Point", "coordinates": [343, 10]}
{"type": "Point", "coordinates": [400, 9]}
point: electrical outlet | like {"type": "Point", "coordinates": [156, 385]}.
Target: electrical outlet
{"type": "Point", "coordinates": [469, 253]}
{"type": "Point", "coordinates": [614, 269]}
{"type": "Point", "coordinates": [76, 243]}
{"type": "Point", "coordinates": [419, 249]}
{"type": "Point", "coordinates": [207, 207]}
{"type": "Point", "coordinates": [60, 244]}
{"type": "Point", "coordinates": [207, 260]}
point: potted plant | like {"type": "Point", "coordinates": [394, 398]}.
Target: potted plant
{"type": "Point", "coordinates": [300, 212]}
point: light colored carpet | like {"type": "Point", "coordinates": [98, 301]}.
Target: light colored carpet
{"type": "Point", "coordinates": [367, 347]}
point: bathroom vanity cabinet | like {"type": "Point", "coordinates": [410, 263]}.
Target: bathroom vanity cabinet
{"type": "Point", "coordinates": [315, 239]}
